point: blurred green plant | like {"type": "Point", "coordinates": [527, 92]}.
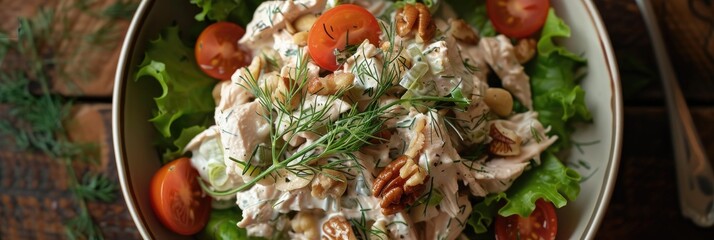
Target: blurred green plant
{"type": "Point", "coordinates": [29, 63]}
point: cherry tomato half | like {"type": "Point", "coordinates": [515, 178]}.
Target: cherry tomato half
{"type": "Point", "coordinates": [177, 198]}
{"type": "Point", "coordinates": [217, 51]}
{"type": "Point", "coordinates": [343, 25]}
{"type": "Point", "coordinates": [517, 18]}
{"type": "Point", "coordinates": [541, 224]}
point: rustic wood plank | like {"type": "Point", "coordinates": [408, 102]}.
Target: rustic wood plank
{"type": "Point", "coordinates": [645, 204]}
{"type": "Point", "coordinates": [688, 34]}
{"type": "Point", "coordinates": [35, 200]}
{"type": "Point", "coordinates": [85, 43]}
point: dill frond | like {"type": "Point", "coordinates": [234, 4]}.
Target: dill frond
{"type": "Point", "coordinates": [96, 187]}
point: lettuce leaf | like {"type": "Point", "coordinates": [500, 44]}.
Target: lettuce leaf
{"type": "Point", "coordinates": [186, 99]}
{"type": "Point", "coordinates": [179, 144]}
{"type": "Point", "coordinates": [557, 97]}
{"type": "Point", "coordinates": [238, 11]}
{"type": "Point", "coordinates": [560, 101]}
{"type": "Point", "coordinates": [551, 181]}
{"type": "Point", "coordinates": [222, 226]}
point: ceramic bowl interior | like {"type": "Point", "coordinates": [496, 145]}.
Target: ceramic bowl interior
{"type": "Point", "coordinates": [596, 157]}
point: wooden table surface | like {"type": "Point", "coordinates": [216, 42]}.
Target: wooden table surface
{"type": "Point", "coordinates": [33, 204]}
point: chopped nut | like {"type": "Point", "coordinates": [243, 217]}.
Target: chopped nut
{"type": "Point", "coordinates": [417, 142]}
{"type": "Point", "coordinates": [417, 16]}
{"type": "Point", "coordinates": [413, 173]}
{"type": "Point", "coordinates": [330, 84]}
{"type": "Point", "coordinates": [525, 49]}
{"type": "Point", "coordinates": [499, 101]}
{"type": "Point", "coordinates": [505, 141]}
{"type": "Point", "coordinates": [399, 184]}
{"type": "Point", "coordinates": [293, 179]}
{"type": "Point", "coordinates": [279, 88]}
{"type": "Point", "coordinates": [462, 31]}
{"type": "Point", "coordinates": [249, 73]}
{"type": "Point", "coordinates": [306, 223]}
{"type": "Point", "coordinates": [329, 183]}
{"type": "Point", "coordinates": [300, 39]}
{"type": "Point", "coordinates": [337, 228]}
{"type": "Point", "coordinates": [304, 23]}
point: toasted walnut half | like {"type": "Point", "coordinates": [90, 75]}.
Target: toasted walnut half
{"type": "Point", "coordinates": [415, 17]}
{"type": "Point", "coordinates": [462, 31]}
{"type": "Point", "coordinates": [505, 141]}
{"type": "Point", "coordinates": [329, 183]}
{"type": "Point", "coordinates": [399, 184]}
{"type": "Point", "coordinates": [330, 84]}
{"type": "Point", "coordinates": [337, 228]}
{"type": "Point", "coordinates": [525, 49]}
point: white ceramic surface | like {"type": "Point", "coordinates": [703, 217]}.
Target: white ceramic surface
{"type": "Point", "coordinates": [597, 158]}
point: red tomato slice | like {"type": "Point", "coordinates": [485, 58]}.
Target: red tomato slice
{"type": "Point", "coordinates": [541, 224]}
{"type": "Point", "coordinates": [343, 25]}
{"type": "Point", "coordinates": [217, 51]}
{"type": "Point", "coordinates": [517, 18]}
{"type": "Point", "coordinates": [177, 198]}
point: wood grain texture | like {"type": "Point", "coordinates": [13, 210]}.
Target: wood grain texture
{"type": "Point", "coordinates": [35, 201]}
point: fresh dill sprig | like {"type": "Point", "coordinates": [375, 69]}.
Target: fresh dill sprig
{"type": "Point", "coordinates": [341, 137]}
{"type": "Point", "coordinates": [35, 114]}
{"type": "Point", "coordinates": [96, 187]}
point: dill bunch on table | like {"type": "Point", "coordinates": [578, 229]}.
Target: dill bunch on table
{"type": "Point", "coordinates": [31, 60]}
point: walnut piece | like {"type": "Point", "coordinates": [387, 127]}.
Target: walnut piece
{"type": "Point", "coordinates": [462, 31]}
{"type": "Point", "coordinates": [337, 228]}
{"type": "Point", "coordinates": [505, 141]}
{"type": "Point", "coordinates": [331, 83]}
{"type": "Point", "coordinates": [399, 184]}
{"type": "Point", "coordinates": [525, 49]}
{"type": "Point", "coordinates": [415, 16]}
{"type": "Point", "coordinates": [417, 142]}
{"type": "Point", "coordinates": [305, 223]}
{"type": "Point", "coordinates": [329, 183]}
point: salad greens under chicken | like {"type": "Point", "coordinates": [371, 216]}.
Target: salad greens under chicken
{"type": "Point", "coordinates": [365, 119]}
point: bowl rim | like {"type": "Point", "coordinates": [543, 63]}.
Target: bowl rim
{"type": "Point", "coordinates": [122, 73]}
{"type": "Point", "coordinates": [616, 105]}
{"type": "Point", "coordinates": [130, 42]}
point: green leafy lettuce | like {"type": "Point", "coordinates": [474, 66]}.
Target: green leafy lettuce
{"type": "Point", "coordinates": [186, 99]}
{"type": "Point", "coordinates": [551, 181]}
{"type": "Point", "coordinates": [238, 11]}
{"type": "Point", "coordinates": [557, 97]}
{"type": "Point", "coordinates": [180, 143]}
{"type": "Point", "coordinates": [222, 226]}
{"type": "Point", "coordinates": [559, 100]}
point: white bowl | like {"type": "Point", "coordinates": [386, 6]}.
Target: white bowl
{"type": "Point", "coordinates": [137, 160]}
